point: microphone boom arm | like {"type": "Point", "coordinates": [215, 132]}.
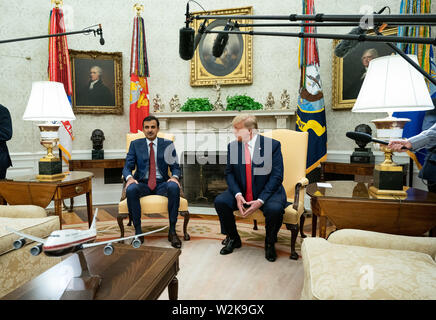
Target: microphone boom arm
{"type": "Point", "coordinates": [95, 31]}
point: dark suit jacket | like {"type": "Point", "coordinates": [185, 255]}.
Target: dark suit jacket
{"type": "Point", "coordinates": [100, 95]}
{"type": "Point", "coordinates": [267, 169]}
{"type": "Point", "coordinates": [138, 157]}
{"type": "Point", "coordinates": [5, 135]}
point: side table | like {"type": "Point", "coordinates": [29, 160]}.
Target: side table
{"type": "Point", "coordinates": [29, 190]}
{"type": "Point", "coordinates": [79, 164]}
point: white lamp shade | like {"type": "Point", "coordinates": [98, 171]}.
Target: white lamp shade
{"type": "Point", "coordinates": [392, 84]}
{"type": "Point", "coordinates": [48, 101]}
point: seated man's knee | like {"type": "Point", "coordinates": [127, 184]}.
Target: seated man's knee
{"type": "Point", "coordinates": [273, 208]}
{"type": "Point", "coordinates": [132, 190]}
{"type": "Point", "coordinates": [173, 187]}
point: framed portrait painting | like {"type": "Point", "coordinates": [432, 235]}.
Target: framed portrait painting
{"type": "Point", "coordinates": [350, 71]}
{"type": "Point", "coordinates": [97, 82]}
{"type": "Point", "coordinates": [234, 66]}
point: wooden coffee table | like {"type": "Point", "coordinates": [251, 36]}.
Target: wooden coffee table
{"type": "Point", "coordinates": [127, 274]}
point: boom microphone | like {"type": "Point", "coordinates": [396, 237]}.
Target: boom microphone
{"type": "Point", "coordinates": [221, 41]}
{"type": "Point", "coordinates": [100, 33]}
{"type": "Point", "coordinates": [366, 138]}
{"type": "Point", "coordinates": [186, 43]}
{"type": "Point", "coordinates": [346, 46]}
{"type": "Point", "coordinates": [199, 35]}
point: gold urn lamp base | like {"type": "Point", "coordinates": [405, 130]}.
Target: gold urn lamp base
{"type": "Point", "coordinates": [50, 166]}
{"type": "Point", "coordinates": [388, 176]}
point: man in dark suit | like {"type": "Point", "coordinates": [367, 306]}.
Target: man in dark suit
{"type": "Point", "coordinates": [254, 175]}
{"type": "Point", "coordinates": [5, 135]}
{"type": "Point", "coordinates": [152, 156]}
{"type": "Point", "coordinates": [95, 93]}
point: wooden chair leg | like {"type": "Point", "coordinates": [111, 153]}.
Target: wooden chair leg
{"type": "Point", "coordinates": [120, 218]}
{"type": "Point", "coordinates": [294, 233]}
{"type": "Point", "coordinates": [255, 225]}
{"type": "Point", "coordinates": [186, 216]}
{"type": "Point", "coordinates": [302, 220]}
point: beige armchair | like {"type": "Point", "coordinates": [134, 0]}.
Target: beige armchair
{"type": "Point", "coordinates": [294, 151]}
{"type": "Point", "coordinates": [151, 204]}
{"type": "Point", "coordinates": [366, 265]}
{"type": "Point", "coordinates": [19, 266]}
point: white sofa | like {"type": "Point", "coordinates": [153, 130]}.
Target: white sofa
{"type": "Point", "coordinates": [365, 265]}
{"type": "Point", "coordinates": [19, 266]}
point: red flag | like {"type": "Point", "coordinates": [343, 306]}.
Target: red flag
{"type": "Point", "coordinates": [139, 102]}
{"type": "Point", "coordinates": [139, 95]}
{"type": "Point", "coordinates": [59, 70]}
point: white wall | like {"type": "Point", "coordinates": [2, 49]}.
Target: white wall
{"type": "Point", "coordinates": [275, 61]}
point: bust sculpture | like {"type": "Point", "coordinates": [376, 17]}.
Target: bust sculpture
{"type": "Point", "coordinates": [362, 154]}
{"type": "Point", "coordinates": [97, 138]}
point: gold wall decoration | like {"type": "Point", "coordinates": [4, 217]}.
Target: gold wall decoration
{"type": "Point", "coordinates": [235, 65]}
{"type": "Point", "coordinates": [97, 82]}
{"type": "Point", "coordinates": [349, 72]}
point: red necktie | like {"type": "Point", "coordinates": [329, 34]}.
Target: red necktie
{"type": "Point", "coordinates": [249, 193]}
{"type": "Point", "coordinates": [152, 169]}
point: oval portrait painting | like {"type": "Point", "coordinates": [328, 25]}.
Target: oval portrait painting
{"type": "Point", "coordinates": [231, 56]}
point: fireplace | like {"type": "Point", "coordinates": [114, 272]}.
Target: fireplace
{"type": "Point", "coordinates": [203, 176]}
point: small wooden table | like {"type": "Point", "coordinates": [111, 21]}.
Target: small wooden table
{"type": "Point", "coordinates": [127, 274]}
{"type": "Point", "coordinates": [349, 205]}
{"type": "Point", "coordinates": [78, 164]}
{"type": "Point", "coordinates": [29, 190]}
{"type": "Point", "coordinates": [355, 169]}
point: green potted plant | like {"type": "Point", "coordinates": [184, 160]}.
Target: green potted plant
{"type": "Point", "coordinates": [242, 102]}
{"type": "Point", "coordinates": [197, 104]}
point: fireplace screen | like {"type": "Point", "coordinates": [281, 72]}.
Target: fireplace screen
{"type": "Point", "coordinates": [203, 176]}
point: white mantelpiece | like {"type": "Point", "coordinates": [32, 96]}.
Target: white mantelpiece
{"type": "Point", "coordinates": [281, 116]}
{"type": "Point", "coordinates": [212, 130]}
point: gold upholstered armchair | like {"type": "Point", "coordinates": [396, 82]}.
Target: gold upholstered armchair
{"type": "Point", "coordinates": [152, 204]}
{"type": "Point", "coordinates": [294, 151]}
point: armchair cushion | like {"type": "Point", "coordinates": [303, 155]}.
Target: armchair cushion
{"type": "Point", "coordinates": [153, 204]}
{"type": "Point", "coordinates": [22, 211]}
{"type": "Point", "coordinates": [371, 239]}
{"type": "Point", "coordinates": [336, 271]}
{"type": "Point", "coordinates": [290, 216]}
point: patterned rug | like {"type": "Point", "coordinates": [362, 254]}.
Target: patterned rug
{"type": "Point", "coordinates": [198, 228]}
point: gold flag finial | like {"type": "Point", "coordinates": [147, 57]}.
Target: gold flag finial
{"type": "Point", "coordinates": [58, 3]}
{"type": "Point", "coordinates": [138, 7]}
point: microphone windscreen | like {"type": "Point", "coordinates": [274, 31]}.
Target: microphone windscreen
{"type": "Point", "coordinates": [186, 43]}
{"type": "Point", "coordinates": [346, 46]}
{"type": "Point", "coordinates": [101, 41]}
{"type": "Point", "coordinates": [219, 44]}
{"type": "Point", "coordinates": [359, 136]}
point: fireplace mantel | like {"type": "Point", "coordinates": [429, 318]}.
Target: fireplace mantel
{"type": "Point", "coordinates": [280, 116]}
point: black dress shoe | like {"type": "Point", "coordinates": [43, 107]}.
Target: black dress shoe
{"type": "Point", "coordinates": [270, 252]}
{"type": "Point", "coordinates": [231, 244]}
{"type": "Point", "coordinates": [174, 239]}
{"type": "Point", "coordinates": [225, 241]}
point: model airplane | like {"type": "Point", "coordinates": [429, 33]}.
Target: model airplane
{"type": "Point", "coordinates": [61, 242]}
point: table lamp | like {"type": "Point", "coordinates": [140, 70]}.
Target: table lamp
{"type": "Point", "coordinates": [48, 102]}
{"type": "Point", "coordinates": [391, 85]}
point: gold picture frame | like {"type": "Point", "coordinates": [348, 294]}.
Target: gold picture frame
{"type": "Point", "coordinates": [235, 65]}
{"type": "Point", "coordinates": [348, 72]}
{"type": "Point", "coordinates": [97, 82]}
